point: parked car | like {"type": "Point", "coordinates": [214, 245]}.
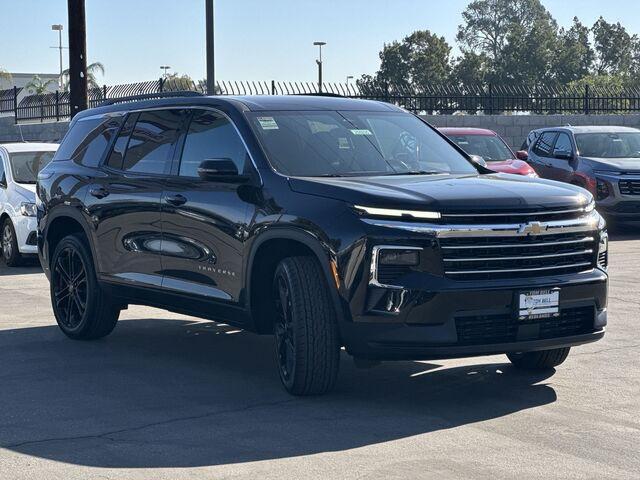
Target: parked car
{"type": "Point", "coordinates": [488, 145]}
{"type": "Point", "coordinates": [603, 159]}
{"type": "Point", "coordinates": [19, 167]}
{"type": "Point", "coordinates": [328, 222]}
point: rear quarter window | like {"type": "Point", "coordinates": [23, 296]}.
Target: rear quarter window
{"type": "Point", "coordinates": [89, 139]}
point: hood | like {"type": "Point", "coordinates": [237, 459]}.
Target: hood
{"type": "Point", "coordinates": [447, 193]}
{"type": "Point", "coordinates": [26, 190]}
{"type": "Point", "coordinates": [615, 164]}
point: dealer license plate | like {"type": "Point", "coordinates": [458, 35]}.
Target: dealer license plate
{"type": "Point", "coordinates": [539, 304]}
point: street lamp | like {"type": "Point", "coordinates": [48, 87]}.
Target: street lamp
{"type": "Point", "coordinates": [349, 77]}
{"type": "Point", "coordinates": [58, 28]}
{"type": "Point", "coordinates": [319, 62]}
{"type": "Point", "coordinates": [165, 68]}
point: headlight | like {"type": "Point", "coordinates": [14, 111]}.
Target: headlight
{"type": "Point", "coordinates": [603, 250]}
{"type": "Point", "coordinates": [28, 209]}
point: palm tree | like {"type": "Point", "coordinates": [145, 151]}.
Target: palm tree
{"type": "Point", "coordinates": [5, 75]}
{"type": "Point", "coordinates": [37, 86]}
{"type": "Point", "coordinates": [92, 69]}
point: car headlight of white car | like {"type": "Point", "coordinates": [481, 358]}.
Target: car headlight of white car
{"type": "Point", "coordinates": [28, 209]}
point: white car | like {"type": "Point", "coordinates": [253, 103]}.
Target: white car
{"type": "Point", "coordinates": [19, 167]}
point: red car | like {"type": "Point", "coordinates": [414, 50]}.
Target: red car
{"type": "Point", "coordinates": [488, 145]}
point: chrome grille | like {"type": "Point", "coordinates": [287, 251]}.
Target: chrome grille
{"type": "Point", "coordinates": [522, 250]}
{"type": "Point", "coordinates": [629, 187]}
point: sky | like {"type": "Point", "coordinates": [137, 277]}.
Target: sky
{"type": "Point", "coordinates": [255, 39]}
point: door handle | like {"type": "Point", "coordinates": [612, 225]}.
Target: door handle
{"type": "Point", "coordinates": [99, 192]}
{"type": "Point", "coordinates": [176, 200]}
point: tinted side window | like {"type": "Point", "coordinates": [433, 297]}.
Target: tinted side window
{"type": "Point", "coordinates": [545, 144]}
{"type": "Point", "coordinates": [152, 141]}
{"type": "Point", "coordinates": [563, 144]}
{"type": "Point", "coordinates": [88, 140]}
{"type": "Point", "coordinates": [120, 146]}
{"type": "Point", "coordinates": [210, 135]}
{"type": "Point", "coordinates": [3, 176]}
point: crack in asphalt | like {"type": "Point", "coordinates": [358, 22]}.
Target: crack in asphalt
{"type": "Point", "coordinates": [602, 350]}
{"type": "Point", "coordinates": [110, 434]}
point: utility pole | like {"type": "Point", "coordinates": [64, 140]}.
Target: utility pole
{"type": "Point", "coordinates": [319, 62]}
{"type": "Point", "coordinates": [211, 68]}
{"type": "Point", "coordinates": [77, 56]}
{"type": "Point", "coordinates": [58, 28]}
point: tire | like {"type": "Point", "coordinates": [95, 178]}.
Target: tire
{"type": "Point", "coordinates": [306, 329]}
{"type": "Point", "coordinates": [542, 360]}
{"type": "Point", "coordinates": [81, 308]}
{"type": "Point", "coordinates": [9, 241]}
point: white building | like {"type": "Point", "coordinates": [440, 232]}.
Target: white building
{"type": "Point", "coordinates": [21, 79]}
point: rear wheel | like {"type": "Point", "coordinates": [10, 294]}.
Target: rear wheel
{"type": "Point", "coordinates": [10, 252]}
{"type": "Point", "coordinates": [542, 360]}
{"type": "Point", "coordinates": [306, 332]}
{"type": "Point", "coordinates": [81, 308]}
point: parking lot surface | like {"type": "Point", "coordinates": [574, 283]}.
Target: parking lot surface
{"type": "Point", "coordinates": [171, 397]}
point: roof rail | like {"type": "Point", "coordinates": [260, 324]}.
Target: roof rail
{"type": "Point", "coordinates": [320, 94]}
{"type": "Point", "coordinates": [151, 96]}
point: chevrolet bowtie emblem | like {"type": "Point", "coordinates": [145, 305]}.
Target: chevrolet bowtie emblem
{"type": "Point", "coordinates": [532, 228]}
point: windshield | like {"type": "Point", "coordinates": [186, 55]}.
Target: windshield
{"type": "Point", "coordinates": [26, 165]}
{"type": "Point", "coordinates": [609, 145]}
{"type": "Point", "coordinates": [489, 147]}
{"type": "Point", "coordinates": [354, 143]}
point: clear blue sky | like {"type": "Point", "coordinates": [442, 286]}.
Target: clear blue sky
{"type": "Point", "coordinates": [255, 39]}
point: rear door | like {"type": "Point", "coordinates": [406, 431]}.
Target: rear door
{"type": "Point", "coordinates": [124, 202]}
{"type": "Point", "coordinates": [204, 222]}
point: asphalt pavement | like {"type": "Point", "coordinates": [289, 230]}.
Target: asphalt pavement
{"type": "Point", "coordinates": [172, 397]}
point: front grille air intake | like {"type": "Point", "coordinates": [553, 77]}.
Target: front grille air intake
{"type": "Point", "coordinates": [629, 187]}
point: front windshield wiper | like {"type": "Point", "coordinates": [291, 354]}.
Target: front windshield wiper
{"type": "Point", "coordinates": [418, 172]}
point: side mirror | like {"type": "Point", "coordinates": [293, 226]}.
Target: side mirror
{"type": "Point", "coordinates": [220, 170]}
{"type": "Point", "coordinates": [522, 155]}
{"type": "Point", "coordinates": [479, 160]}
{"type": "Point", "coordinates": [563, 154]}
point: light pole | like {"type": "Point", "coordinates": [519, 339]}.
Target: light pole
{"type": "Point", "coordinates": [349, 77]}
{"type": "Point", "coordinates": [165, 68]}
{"type": "Point", "coordinates": [319, 62]}
{"type": "Point", "coordinates": [211, 66]}
{"type": "Point", "coordinates": [58, 28]}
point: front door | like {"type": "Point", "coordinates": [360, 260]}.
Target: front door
{"type": "Point", "coordinates": [561, 166]}
{"type": "Point", "coordinates": [542, 153]}
{"type": "Point", "coordinates": [204, 222]}
{"type": "Point", "coordinates": [124, 202]}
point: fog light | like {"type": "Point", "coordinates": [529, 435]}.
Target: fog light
{"type": "Point", "coordinates": [602, 190]}
{"type": "Point", "coordinates": [399, 257]}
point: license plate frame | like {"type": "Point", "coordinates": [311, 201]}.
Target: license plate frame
{"type": "Point", "coordinates": [537, 303]}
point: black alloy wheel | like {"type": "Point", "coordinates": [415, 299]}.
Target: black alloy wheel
{"type": "Point", "coordinates": [70, 290]}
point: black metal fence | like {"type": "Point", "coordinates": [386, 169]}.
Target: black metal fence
{"type": "Point", "coordinates": [442, 99]}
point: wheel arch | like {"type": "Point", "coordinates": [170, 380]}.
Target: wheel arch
{"type": "Point", "coordinates": [266, 252]}
{"type": "Point", "coordinates": [61, 224]}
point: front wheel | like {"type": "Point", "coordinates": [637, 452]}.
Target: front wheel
{"type": "Point", "coordinates": [306, 331]}
{"type": "Point", "coordinates": [81, 308]}
{"type": "Point", "coordinates": [10, 252]}
{"type": "Point", "coordinates": [542, 360]}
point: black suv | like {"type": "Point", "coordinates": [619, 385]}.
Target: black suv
{"type": "Point", "coordinates": [328, 222]}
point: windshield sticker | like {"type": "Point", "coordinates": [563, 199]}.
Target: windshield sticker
{"type": "Point", "coordinates": [361, 131]}
{"type": "Point", "coordinates": [268, 123]}
{"type": "Point", "coordinates": [343, 143]}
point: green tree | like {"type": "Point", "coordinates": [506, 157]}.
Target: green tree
{"type": "Point", "coordinates": [613, 46]}
{"type": "Point", "coordinates": [92, 71]}
{"type": "Point", "coordinates": [575, 55]}
{"type": "Point", "coordinates": [470, 69]}
{"type": "Point", "coordinates": [177, 82]}
{"type": "Point", "coordinates": [420, 60]}
{"type": "Point", "coordinates": [38, 86]}
{"type": "Point", "coordinates": [517, 37]}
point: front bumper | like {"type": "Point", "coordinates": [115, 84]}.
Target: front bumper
{"type": "Point", "coordinates": [436, 324]}
{"type": "Point", "coordinates": [26, 234]}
